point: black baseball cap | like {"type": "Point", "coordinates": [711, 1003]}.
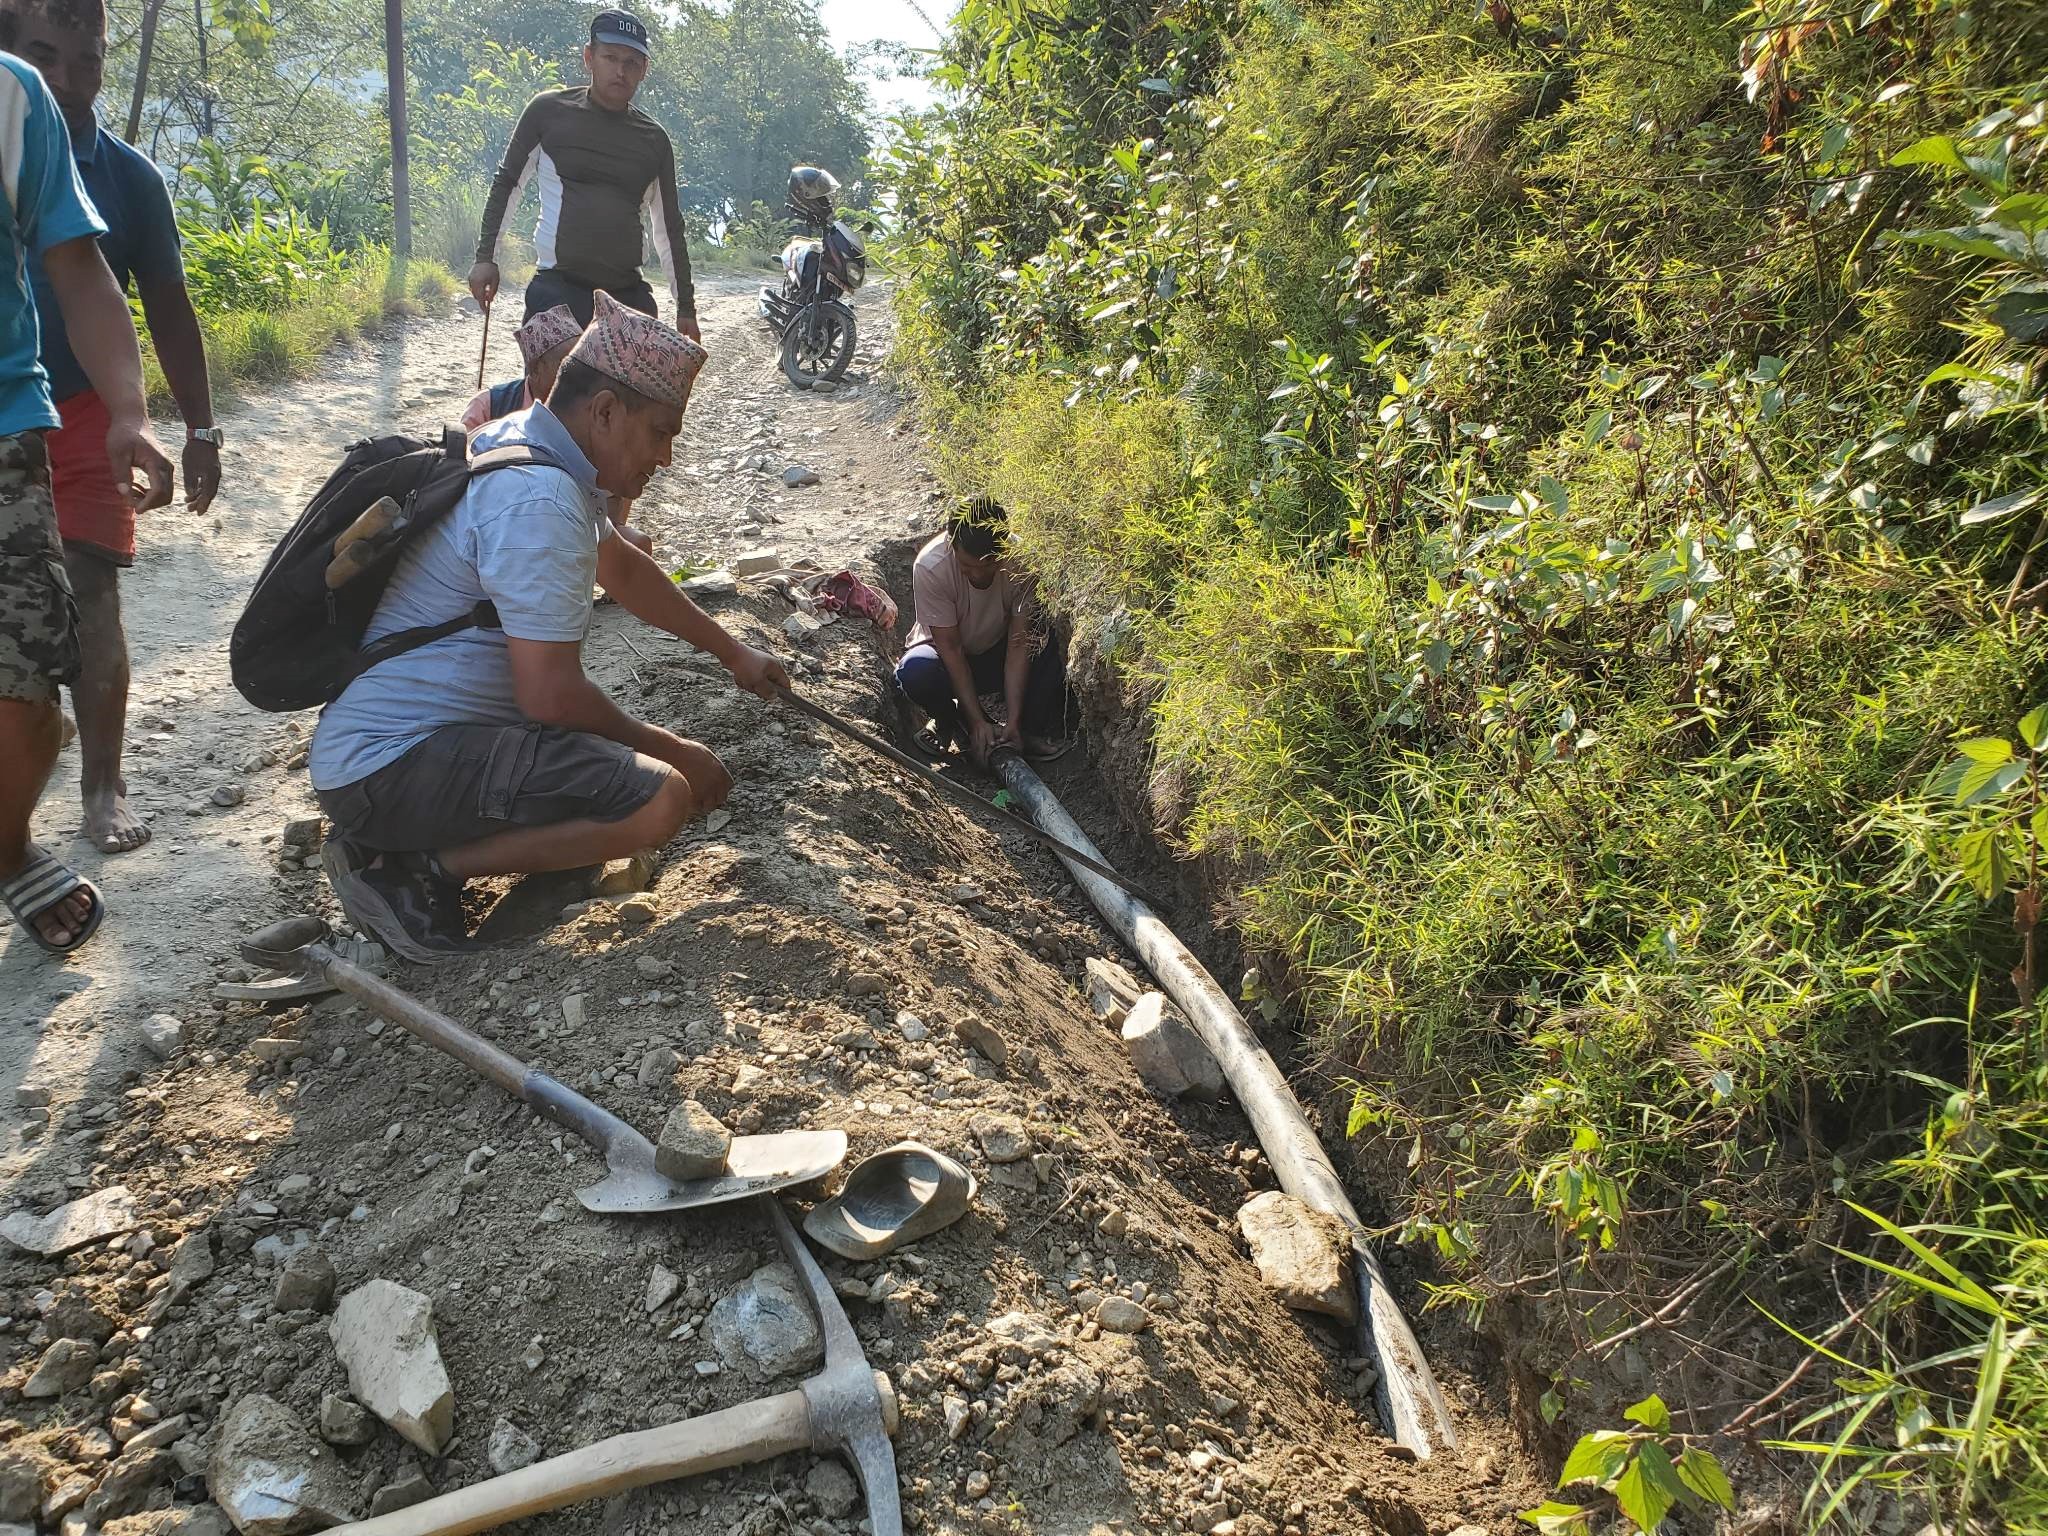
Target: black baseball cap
{"type": "Point", "coordinates": [619, 27]}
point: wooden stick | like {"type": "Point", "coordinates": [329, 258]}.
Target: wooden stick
{"type": "Point", "coordinates": [756, 1431]}
{"type": "Point", "coordinates": [485, 350]}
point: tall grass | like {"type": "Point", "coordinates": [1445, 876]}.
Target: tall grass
{"type": "Point", "coordinates": [250, 345]}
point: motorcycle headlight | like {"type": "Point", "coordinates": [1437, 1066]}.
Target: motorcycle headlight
{"type": "Point", "coordinates": [856, 270]}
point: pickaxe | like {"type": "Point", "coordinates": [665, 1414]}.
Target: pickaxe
{"type": "Point", "coordinates": [847, 1408]}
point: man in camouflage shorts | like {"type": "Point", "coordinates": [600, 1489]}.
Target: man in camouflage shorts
{"type": "Point", "coordinates": [38, 621]}
{"type": "Point", "coordinates": [47, 213]}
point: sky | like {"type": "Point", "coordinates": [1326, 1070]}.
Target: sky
{"type": "Point", "coordinates": [899, 21]}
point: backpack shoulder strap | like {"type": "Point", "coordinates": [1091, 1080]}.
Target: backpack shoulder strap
{"type": "Point", "coordinates": [513, 456]}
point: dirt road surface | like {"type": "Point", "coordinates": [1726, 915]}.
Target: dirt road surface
{"type": "Point", "coordinates": [838, 949]}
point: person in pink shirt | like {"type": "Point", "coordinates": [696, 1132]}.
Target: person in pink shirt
{"type": "Point", "coordinates": [543, 342]}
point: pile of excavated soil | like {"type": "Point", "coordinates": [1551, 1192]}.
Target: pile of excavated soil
{"type": "Point", "coordinates": [808, 963]}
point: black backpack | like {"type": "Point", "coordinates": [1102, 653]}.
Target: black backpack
{"type": "Point", "coordinates": [299, 641]}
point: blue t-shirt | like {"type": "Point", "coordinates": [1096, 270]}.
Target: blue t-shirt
{"type": "Point", "coordinates": [525, 538]}
{"type": "Point", "coordinates": [141, 240]}
{"type": "Point", "coordinates": [45, 206]}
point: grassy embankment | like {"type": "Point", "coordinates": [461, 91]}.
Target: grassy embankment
{"type": "Point", "coordinates": [248, 344]}
{"type": "Point", "coordinates": [1574, 480]}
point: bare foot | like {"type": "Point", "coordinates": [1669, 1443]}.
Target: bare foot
{"type": "Point", "coordinates": [59, 924]}
{"type": "Point", "coordinates": [113, 827]}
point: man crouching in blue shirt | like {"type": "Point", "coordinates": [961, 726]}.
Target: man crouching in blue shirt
{"type": "Point", "coordinates": [489, 752]}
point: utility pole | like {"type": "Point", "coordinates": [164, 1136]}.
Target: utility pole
{"type": "Point", "coordinates": [401, 173]}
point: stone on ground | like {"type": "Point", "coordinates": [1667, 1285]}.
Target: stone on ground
{"type": "Point", "coordinates": [1303, 1255]}
{"type": "Point", "coordinates": [127, 1484]}
{"type": "Point", "coordinates": [765, 1327]}
{"type": "Point", "coordinates": [511, 1448]}
{"type": "Point", "coordinates": [271, 1478]}
{"type": "Point", "coordinates": [1112, 989]}
{"type": "Point", "coordinates": [66, 1366]}
{"type": "Point", "coordinates": [1120, 1314]}
{"type": "Point", "coordinates": [662, 1286]}
{"type": "Point", "coordinates": [718, 583]}
{"type": "Point", "coordinates": [693, 1144]}
{"type": "Point", "coordinates": [162, 1034]}
{"type": "Point", "coordinates": [1167, 1052]}
{"type": "Point", "coordinates": [191, 1263]}
{"type": "Point", "coordinates": [98, 1215]}
{"type": "Point", "coordinates": [21, 1486]}
{"type": "Point", "coordinates": [799, 475]}
{"type": "Point", "coordinates": [410, 1487]}
{"type": "Point", "coordinates": [1003, 1138]}
{"type": "Point", "coordinates": [625, 877]}
{"type": "Point", "coordinates": [758, 562]}
{"type": "Point", "coordinates": [344, 1421]}
{"type": "Point", "coordinates": [658, 1066]}
{"type": "Point", "coordinates": [384, 1334]}
{"type": "Point", "coordinates": [984, 1037]}
{"type": "Point", "coordinates": [833, 1490]}
{"type": "Point", "coordinates": [306, 1283]}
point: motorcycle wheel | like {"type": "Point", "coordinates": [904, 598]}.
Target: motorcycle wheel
{"type": "Point", "coordinates": [827, 355]}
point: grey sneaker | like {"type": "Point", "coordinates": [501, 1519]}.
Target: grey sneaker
{"type": "Point", "coordinates": [397, 898]}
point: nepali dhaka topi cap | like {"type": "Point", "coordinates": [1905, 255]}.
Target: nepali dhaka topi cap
{"type": "Point", "coordinates": [640, 352]}
{"type": "Point", "coordinates": [546, 331]}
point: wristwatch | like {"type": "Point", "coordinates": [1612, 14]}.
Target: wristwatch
{"type": "Point", "coordinates": [212, 435]}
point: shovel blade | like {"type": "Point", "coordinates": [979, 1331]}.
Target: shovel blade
{"type": "Point", "coordinates": [757, 1165]}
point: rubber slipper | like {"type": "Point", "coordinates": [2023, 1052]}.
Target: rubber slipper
{"type": "Point", "coordinates": [1053, 753]}
{"type": "Point", "coordinates": [40, 884]}
{"type": "Point", "coordinates": [900, 1194]}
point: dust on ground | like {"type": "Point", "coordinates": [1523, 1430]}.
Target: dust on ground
{"type": "Point", "coordinates": [808, 963]}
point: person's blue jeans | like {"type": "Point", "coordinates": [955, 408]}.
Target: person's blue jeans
{"type": "Point", "coordinates": [923, 679]}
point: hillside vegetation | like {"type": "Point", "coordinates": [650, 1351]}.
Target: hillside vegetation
{"type": "Point", "coordinates": [1568, 480]}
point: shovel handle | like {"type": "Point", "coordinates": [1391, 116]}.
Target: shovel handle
{"type": "Point", "coordinates": [756, 1431]}
{"type": "Point", "coordinates": [539, 1092]}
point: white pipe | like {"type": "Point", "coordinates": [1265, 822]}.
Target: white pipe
{"type": "Point", "coordinates": [1411, 1407]}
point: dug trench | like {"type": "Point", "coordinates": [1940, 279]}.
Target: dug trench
{"type": "Point", "coordinates": [807, 959]}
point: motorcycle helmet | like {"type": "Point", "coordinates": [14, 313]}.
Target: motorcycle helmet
{"type": "Point", "coordinates": [811, 191]}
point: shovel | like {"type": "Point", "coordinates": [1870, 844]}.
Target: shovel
{"type": "Point", "coordinates": [632, 1185]}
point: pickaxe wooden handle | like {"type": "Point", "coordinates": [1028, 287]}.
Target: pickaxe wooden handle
{"type": "Point", "coordinates": [756, 1431]}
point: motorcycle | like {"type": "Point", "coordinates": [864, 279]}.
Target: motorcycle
{"type": "Point", "coordinates": [820, 272]}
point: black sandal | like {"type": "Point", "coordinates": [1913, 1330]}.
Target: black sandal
{"type": "Point", "coordinates": [42, 882]}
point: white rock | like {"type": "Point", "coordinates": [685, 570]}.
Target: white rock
{"type": "Point", "coordinates": [757, 562]}
{"type": "Point", "coordinates": [511, 1448]}
{"type": "Point", "coordinates": [1303, 1255]}
{"type": "Point", "coordinates": [66, 1366]}
{"type": "Point", "coordinates": [1168, 1054]}
{"type": "Point", "coordinates": [833, 1490]}
{"type": "Point", "coordinates": [718, 583]}
{"type": "Point", "coordinates": [1112, 989]}
{"type": "Point", "coordinates": [575, 1011]}
{"type": "Point", "coordinates": [662, 1286]}
{"type": "Point", "coordinates": [103, 1214]}
{"type": "Point", "coordinates": [765, 1327]}
{"type": "Point", "coordinates": [1003, 1138]}
{"type": "Point", "coordinates": [163, 1033]}
{"type": "Point", "coordinates": [225, 795]}
{"type": "Point", "coordinates": [384, 1334]}
{"type": "Point", "coordinates": [1120, 1314]}
{"type": "Point", "coordinates": [912, 1028]}
{"type": "Point", "coordinates": [271, 1478]}
{"type": "Point", "coordinates": [694, 1143]}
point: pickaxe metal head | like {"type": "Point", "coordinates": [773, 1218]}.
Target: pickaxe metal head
{"type": "Point", "coordinates": [853, 1411]}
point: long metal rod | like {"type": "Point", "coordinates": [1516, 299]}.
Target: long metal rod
{"type": "Point", "coordinates": [1411, 1406]}
{"type": "Point", "coordinates": [961, 792]}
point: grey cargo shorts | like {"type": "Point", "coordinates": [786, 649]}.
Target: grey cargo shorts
{"type": "Point", "coordinates": [469, 781]}
{"type": "Point", "coordinates": [38, 615]}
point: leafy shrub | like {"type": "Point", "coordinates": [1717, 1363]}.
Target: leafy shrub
{"type": "Point", "coordinates": [1573, 474]}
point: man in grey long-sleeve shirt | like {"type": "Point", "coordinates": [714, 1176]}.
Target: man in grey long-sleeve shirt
{"type": "Point", "coordinates": [601, 166]}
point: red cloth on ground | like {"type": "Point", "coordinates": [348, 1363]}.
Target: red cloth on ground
{"type": "Point", "coordinates": [90, 508]}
